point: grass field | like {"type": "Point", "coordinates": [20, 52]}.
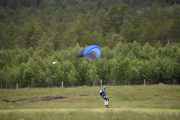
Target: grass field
{"type": "Point", "coordinates": [156, 102]}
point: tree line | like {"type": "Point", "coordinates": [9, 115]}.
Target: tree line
{"type": "Point", "coordinates": [81, 3]}
{"type": "Point", "coordinates": [140, 41]}
{"type": "Point", "coordinates": [126, 63]}
{"type": "Point", "coordinates": [58, 27]}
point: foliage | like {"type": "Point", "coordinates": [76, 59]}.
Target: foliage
{"type": "Point", "coordinates": [126, 63]}
{"type": "Point", "coordinates": [140, 40]}
{"type": "Point", "coordinates": [59, 24]}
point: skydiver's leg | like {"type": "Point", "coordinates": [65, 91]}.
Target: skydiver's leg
{"type": "Point", "coordinates": [106, 102]}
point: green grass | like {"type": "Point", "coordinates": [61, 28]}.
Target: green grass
{"type": "Point", "coordinates": [55, 114]}
{"type": "Point", "coordinates": [156, 102]}
{"type": "Point", "coordinates": [159, 96]}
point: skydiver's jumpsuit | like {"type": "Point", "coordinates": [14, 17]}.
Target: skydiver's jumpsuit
{"type": "Point", "coordinates": [103, 94]}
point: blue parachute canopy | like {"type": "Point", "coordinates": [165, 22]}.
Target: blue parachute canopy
{"type": "Point", "coordinates": [91, 52]}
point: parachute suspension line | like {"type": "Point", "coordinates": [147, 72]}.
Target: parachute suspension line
{"type": "Point", "coordinates": [101, 82]}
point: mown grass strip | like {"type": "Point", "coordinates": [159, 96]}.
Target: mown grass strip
{"type": "Point", "coordinates": [139, 110]}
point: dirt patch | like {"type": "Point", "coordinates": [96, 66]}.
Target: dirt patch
{"type": "Point", "coordinates": [34, 99]}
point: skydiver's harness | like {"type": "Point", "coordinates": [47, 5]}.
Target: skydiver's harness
{"type": "Point", "coordinates": [103, 95]}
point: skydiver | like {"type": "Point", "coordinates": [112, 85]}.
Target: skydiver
{"type": "Point", "coordinates": [103, 94]}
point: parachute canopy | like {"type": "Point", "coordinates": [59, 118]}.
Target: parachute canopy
{"type": "Point", "coordinates": [91, 52]}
